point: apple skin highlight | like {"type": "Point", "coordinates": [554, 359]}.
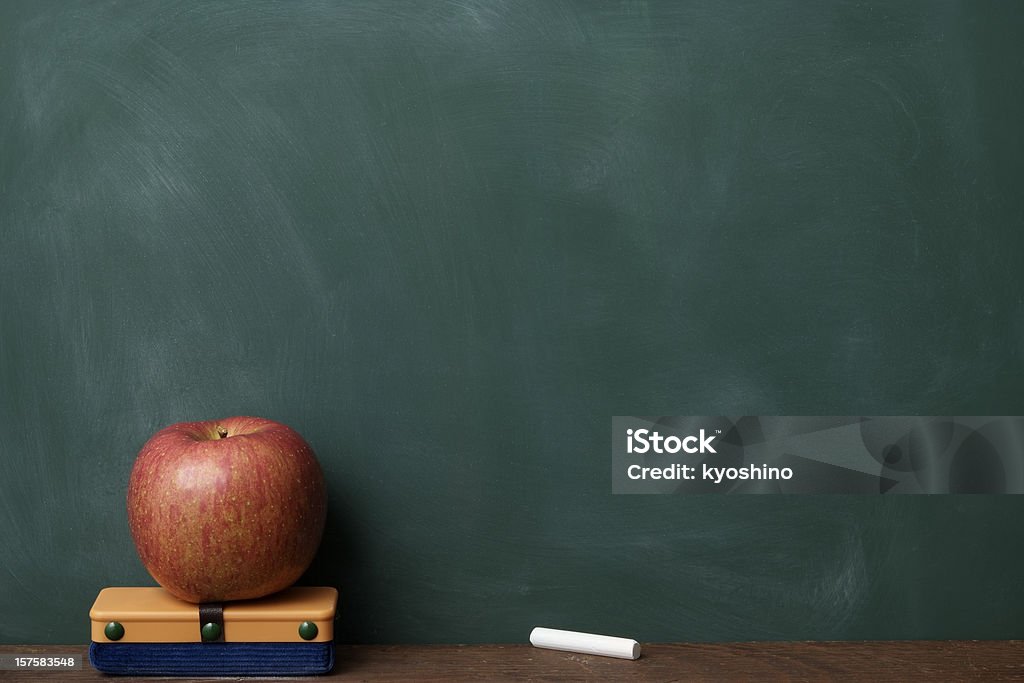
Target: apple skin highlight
{"type": "Point", "coordinates": [230, 509]}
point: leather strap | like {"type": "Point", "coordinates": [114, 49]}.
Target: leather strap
{"type": "Point", "coordinates": [211, 613]}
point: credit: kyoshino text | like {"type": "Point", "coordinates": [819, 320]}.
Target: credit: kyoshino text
{"type": "Point", "coordinates": [643, 441]}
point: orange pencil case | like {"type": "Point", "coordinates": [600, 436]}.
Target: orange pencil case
{"type": "Point", "coordinates": [147, 631]}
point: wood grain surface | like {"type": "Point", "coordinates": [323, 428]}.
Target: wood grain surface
{"type": "Point", "coordinates": [796, 661]}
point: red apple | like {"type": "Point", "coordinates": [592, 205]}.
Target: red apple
{"type": "Point", "coordinates": [227, 509]}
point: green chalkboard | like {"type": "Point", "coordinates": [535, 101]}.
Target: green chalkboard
{"type": "Point", "coordinates": [448, 241]}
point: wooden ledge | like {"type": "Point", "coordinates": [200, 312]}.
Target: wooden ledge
{"type": "Point", "coordinates": [802, 661]}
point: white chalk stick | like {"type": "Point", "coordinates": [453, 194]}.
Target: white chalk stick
{"type": "Point", "coordinates": [587, 643]}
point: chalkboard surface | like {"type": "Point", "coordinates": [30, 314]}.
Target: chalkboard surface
{"type": "Point", "coordinates": [447, 241]}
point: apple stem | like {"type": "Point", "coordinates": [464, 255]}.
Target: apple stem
{"type": "Point", "coordinates": [223, 433]}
